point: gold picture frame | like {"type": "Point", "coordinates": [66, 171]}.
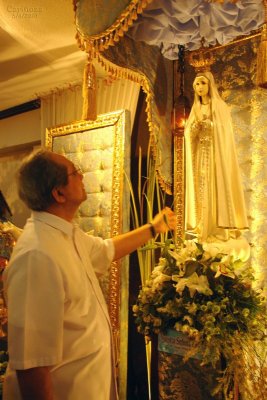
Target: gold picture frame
{"type": "Point", "coordinates": [101, 148]}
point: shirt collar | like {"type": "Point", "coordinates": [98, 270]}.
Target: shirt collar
{"type": "Point", "coordinates": [54, 221]}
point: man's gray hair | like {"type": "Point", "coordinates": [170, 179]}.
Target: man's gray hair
{"type": "Point", "coordinates": [37, 177]}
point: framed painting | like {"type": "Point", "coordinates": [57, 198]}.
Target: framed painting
{"type": "Point", "coordinates": [101, 148]}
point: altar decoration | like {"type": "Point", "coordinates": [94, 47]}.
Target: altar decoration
{"type": "Point", "coordinates": [208, 296]}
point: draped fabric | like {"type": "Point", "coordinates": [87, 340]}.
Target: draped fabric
{"type": "Point", "coordinates": [63, 106]}
{"type": "Point", "coordinates": [60, 106]}
{"type": "Point", "coordinates": [155, 74]}
{"type": "Point", "coordinates": [169, 23]}
{"type": "Point", "coordinates": [214, 193]}
{"type": "Point", "coordinates": [95, 16]}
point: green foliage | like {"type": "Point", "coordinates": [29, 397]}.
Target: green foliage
{"type": "Point", "coordinates": [145, 201]}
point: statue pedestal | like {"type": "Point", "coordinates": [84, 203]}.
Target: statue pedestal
{"type": "Point", "coordinates": [179, 380]}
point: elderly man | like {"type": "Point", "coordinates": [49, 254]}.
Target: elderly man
{"type": "Point", "coordinates": [60, 343]}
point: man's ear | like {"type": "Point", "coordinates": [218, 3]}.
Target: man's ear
{"type": "Point", "coordinates": [58, 195]}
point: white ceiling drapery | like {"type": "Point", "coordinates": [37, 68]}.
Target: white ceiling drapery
{"type": "Point", "coordinates": [170, 23]}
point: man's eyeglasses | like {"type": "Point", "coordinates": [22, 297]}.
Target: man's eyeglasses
{"type": "Point", "coordinates": [76, 172]}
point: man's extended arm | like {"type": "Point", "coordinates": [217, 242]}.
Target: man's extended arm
{"type": "Point", "coordinates": [130, 241]}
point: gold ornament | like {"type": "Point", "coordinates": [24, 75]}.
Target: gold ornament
{"type": "Point", "coordinates": [201, 60]}
{"type": "Point", "coordinates": [89, 90]}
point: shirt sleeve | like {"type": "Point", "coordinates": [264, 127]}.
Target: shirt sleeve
{"type": "Point", "coordinates": [35, 296]}
{"type": "Point", "coordinates": [102, 253]}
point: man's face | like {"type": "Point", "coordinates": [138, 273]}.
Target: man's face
{"type": "Point", "coordinates": [201, 86]}
{"type": "Point", "coordinates": [74, 191]}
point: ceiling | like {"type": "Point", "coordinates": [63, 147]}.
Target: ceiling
{"type": "Point", "coordinates": [38, 49]}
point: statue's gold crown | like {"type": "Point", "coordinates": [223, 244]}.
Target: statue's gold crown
{"type": "Point", "coordinates": [201, 60]}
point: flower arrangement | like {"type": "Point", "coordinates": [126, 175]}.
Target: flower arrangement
{"type": "Point", "coordinates": [208, 296]}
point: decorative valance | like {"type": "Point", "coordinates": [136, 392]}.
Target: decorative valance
{"type": "Point", "coordinates": [101, 23]}
{"type": "Point", "coordinates": [167, 23]}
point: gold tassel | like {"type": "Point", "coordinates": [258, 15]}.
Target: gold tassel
{"type": "Point", "coordinates": [89, 91]}
{"type": "Point", "coordinates": [124, 26]}
{"type": "Point", "coordinates": [111, 41]}
{"type": "Point", "coordinates": [116, 37]}
{"type": "Point", "coordinates": [261, 78]}
{"type": "Point", "coordinates": [120, 31]}
{"type": "Point", "coordinates": [134, 14]}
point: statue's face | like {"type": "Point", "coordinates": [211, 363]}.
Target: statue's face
{"type": "Point", "coordinates": [201, 86]}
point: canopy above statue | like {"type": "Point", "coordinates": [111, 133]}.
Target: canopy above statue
{"type": "Point", "coordinates": [96, 16]}
{"type": "Point", "coordinates": [169, 23]}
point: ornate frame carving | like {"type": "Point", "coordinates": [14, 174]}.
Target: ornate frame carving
{"type": "Point", "coordinates": [179, 182]}
{"type": "Point", "coordinates": [118, 125]}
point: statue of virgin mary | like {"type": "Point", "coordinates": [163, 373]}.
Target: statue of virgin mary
{"type": "Point", "coordinates": [215, 206]}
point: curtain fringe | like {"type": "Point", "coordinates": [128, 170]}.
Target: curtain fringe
{"type": "Point", "coordinates": [117, 30]}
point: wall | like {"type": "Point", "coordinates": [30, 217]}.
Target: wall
{"type": "Point", "coordinates": [19, 135]}
{"type": "Point", "coordinates": [20, 129]}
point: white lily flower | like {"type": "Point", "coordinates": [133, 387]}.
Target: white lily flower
{"type": "Point", "coordinates": [195, 284]}
{"type": "Point", "coordinates": [210, 250]}
{"type": "Point", "coordinates": [222, 269]}
{"type": "Point", "coordinates": [176, 278]}
{"type": "Point", "coordinates": [158, 281]}
{"type": "Point", "coordinates": [157, 270]}
{"type": "Point", "coordinates": [180, 257]}
{"type": "Point", "coordinates": [162, 262]}
{"type": "Point", "coordinates": [191, 246]}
